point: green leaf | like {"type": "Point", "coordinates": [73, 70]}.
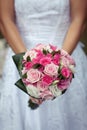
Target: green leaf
{"type": "Point", "coordinates": [45, 52]}
{"type": "Point", "coordinates": [18, 61]}
{"type": "Point", "coordinates": [20, 85]}
{"type": "Point", "coordinates": [73, 76]}
{"type": "Point", "coordinates": [35, 66]}
{"type": "Point", "coordinates": [32, 105]}
{"type": "Point", "coordinates": [24, 76]}
{"type": "Point", "coordinates": [59, 69]}
{"type": "Point", "coordinates": [55, 52]}
{"type": "Point", "coordinates": [64, 91]}
{"type": "Point", "coordinates": [28, 58]}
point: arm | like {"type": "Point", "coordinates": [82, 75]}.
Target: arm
{"type": "Point", "coordinates": [77, 26]}
{"type": "Point", "coordinates": [8, 26]}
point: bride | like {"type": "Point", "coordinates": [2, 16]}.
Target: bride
{"type": "Point", "coordinates": [24, 23]}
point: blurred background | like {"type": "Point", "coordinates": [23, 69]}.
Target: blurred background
{"type": "Point", "coordinates": [4, 47]}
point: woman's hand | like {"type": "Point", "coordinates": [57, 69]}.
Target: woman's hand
{"type": "Point", "coordinates": [8, 26]}
{"type": "Point", "coordinates": [77, 26]}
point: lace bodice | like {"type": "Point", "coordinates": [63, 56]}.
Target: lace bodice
{"type": "Point", "coordinates": [43, 21]}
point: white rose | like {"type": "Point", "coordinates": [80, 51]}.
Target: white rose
{"type": "Point", "coordinates": [72, 68]}
{"type": "Point", "coordinates": [32, 91]}
{"type": "Point", "coordinates": [55, 82]}
{"type": "Point", "coordinates": [47, 47]}
{"type": "Point", "coordinates": [55, 91]}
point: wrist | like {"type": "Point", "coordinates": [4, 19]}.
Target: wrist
{"type": "Point", "coordinates": [68, 51]}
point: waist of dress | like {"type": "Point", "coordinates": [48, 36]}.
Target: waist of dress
{"type": "Point", "coordinates": [34, 34]}
{"type": "Point", "coordinates": [31, 40]}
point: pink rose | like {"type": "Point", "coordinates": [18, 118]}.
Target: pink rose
{"type": "Point", "coordinates": [46, 95]}
{"type": "Point", "coordinates": [53, 47]}
{"type": "Point", "coordinates": [33, 75]}
{"type": "Point", "coordinates": [23, 62]}
{"type": "Point", "coordinates": [47, 80]}
{"type": "Point", "coordinates": [45, 60]}
{"type": "Point", "coordinates": [39, 53]}
{"type": "Point", "coordinates": [63, 84]}
{"type": "Point", "coordinates": [35, 60]}
{"type": "Point", "coordinates": [41, 68]}
{"type": "Point", "coordinates": [51, 69]}
{"type": "Point", "coordinates": [28, 65]}
{"type": "Point", "coordinates": [39, 56]}
{"type": "Point", "coordinates": [56, 59]}
{"type": "Point", "coordinates": [65, 72]}
{"type": "Point", "coordinates": [25, 81]}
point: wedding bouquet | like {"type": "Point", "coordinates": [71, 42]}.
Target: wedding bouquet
{"type": "Point", "coordinates": [46, 72]}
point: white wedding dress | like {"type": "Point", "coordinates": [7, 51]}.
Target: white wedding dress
{"type": "Point", "coordinates": [44, 21]}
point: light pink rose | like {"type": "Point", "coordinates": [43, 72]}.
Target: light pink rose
{"type": "Point", "coordinates": [45, 60]}
{"type": "Point", "coordinates": [47, 80]}
{"type": "Point", "coordinates": [41, 86]}
{"type": "Point", "coordinates": [43, 46]}
{"type": "Point", "coordinates": [64, 61]}
{"type": "Point", "coordinates": [26, 55]}
{"type": "Point", "coordinates": [24, 71]}
{"type": "Point", "coordinates": [70, 77]}
{"type": "Point", "coordinates": [46, 95]}
{"type": "Point", "coordinates": [63, 52]}
{"type": "Point", "coordinates": [65, 72]}
{"type": "Point", "coordinates": [32, 53]}
{"type": "Point", "coordinates": [63, 84]}
{"type": "Point", "coordinates": [68, 57]}
{"type": "Point", "coordinates": [40, 47]}
{"type": "Point", "coordinates": [51, 69]}
{"type": "Point", "coordinates": [71, 60]}
{"type": "Point", "coordinates": [33, 75]}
